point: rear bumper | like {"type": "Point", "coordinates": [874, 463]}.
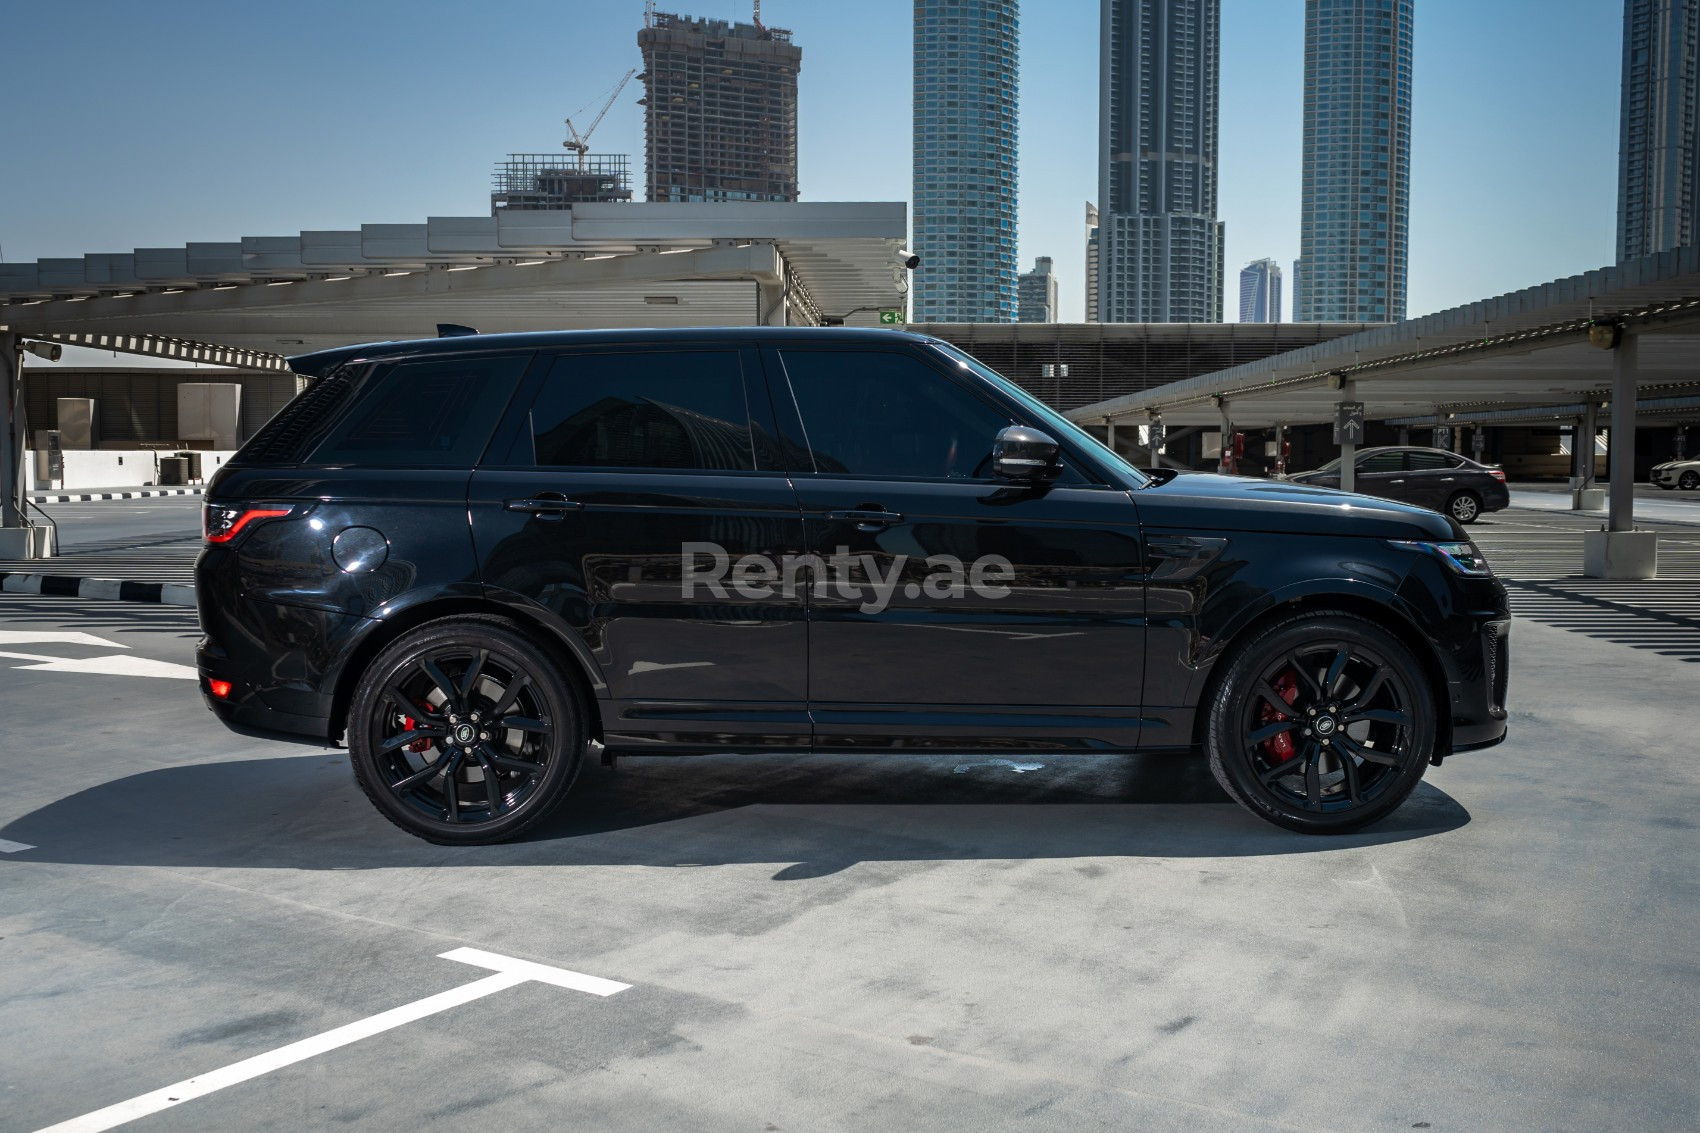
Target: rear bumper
{"type": "Point", "coordinates": [245, 712]}
{"type": "Point", "coordinates": [268, 723]}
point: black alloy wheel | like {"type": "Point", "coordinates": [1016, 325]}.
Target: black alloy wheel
{"type": "Point", "coordinates": [1465, 507]}
{"type": "Point", "coordinates": [1323, 723]}
{"type": "Point", "coordinates": [1690, 480]}
{"type": "Point", "coordinates": [464, 732]}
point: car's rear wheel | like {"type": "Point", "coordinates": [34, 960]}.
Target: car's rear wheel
{"type": "Point", "coordinates": [1690, 480]}
{"type": "Point", "coordinates": [1465, 507]}
{"type": "Point", "coordinates": [1322, 723]}
{"type": "Point", "coordinates": [465, 732]}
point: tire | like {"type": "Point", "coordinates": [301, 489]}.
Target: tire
{"type": "Point", "coordinates": [1690, 480]}
{"type": "Point", "coordinates": [420, 685]}
{"type": "Point", "coordinates": [1465, 507]}
{"type": "Point", "coordinates": [1379, 742]}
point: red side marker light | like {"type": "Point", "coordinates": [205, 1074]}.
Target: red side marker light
{"type": "Point", "coordinates": [219, 689]}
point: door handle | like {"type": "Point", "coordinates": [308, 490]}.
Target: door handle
{"type": "Point", "coordinates": [548, 506]}
{"type": "Point", "coordinates": [867, 519]}
{"type": "Point", "coordinates": [1401, 480]}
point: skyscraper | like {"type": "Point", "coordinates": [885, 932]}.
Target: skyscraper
{"type": "Point", "coordinates": [1260, 292]}
{"type": "Point", "coordinates": [1356, 194]}
{"type": "Point", "coordinates": [1160, 244]}
{"type": "Point", "coordinates": [1658, 161]}
{"type": "Point", "coordinates": [1037, 293]}
{"type": "Point", "coordinates": [720, 122]}
{"type": "Point", "coordinates": [1091, 262]}
{"type": "Point", "coordinates": [964, 171]}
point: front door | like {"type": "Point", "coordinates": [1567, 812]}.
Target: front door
{"type": "Point", "coordinates": [949, 608]}
{"type": "Point", "coordinates": [628, 475]}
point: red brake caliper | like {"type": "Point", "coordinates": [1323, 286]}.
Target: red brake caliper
{"type": "Point", "coordinates": [1279, 747]}
{"type": "Point", "coordinates": [408, 724]}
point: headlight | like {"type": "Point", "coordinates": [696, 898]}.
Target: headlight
{"type": "Point", "coordinates": [1465, 558]}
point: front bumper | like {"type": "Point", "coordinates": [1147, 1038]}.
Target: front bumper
{"type": "Point", "coordinates": [1478, 701]}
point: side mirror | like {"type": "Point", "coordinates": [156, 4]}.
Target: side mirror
{"type": "Point", "coordinates": [1022, 453]}
{"type": "Point", "coordinates": [1160, 476]}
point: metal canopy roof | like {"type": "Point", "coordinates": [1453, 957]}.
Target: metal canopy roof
{"type": "Point", "coordinates": [596, 265]}
{"type": "Point", "coordinates": [1527, 351]}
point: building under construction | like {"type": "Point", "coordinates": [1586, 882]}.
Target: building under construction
{"type": "Point", "coordinates": [557, 181]}
{"type": "Point", "coordinates": [721, 110]}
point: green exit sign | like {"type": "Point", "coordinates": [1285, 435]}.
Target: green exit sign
{"type": "Point", "coordinates": [891, 317]}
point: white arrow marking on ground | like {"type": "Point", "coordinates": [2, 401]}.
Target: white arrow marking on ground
{"type": "Point", "coordinates": [115, 665]}
{"type": "Point", "coordinates": [55, 637]}
{"type": "Point", "coordinates": [509, 973]}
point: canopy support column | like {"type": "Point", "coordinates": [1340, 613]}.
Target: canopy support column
{"type": "Point", "coordinates": [18, 540]}
{"type": "Point", "coordinates": [1348, 449]}
{"type": "Point", "coordinates": [1620, 551]}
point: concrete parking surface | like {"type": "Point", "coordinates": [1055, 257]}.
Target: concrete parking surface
{"type": "Point", "coordinates": [827, 943]}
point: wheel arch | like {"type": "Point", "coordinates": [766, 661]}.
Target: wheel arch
{"type": "Point", "coordinates": [1384, 612]}
{"type": "Point", "coordinates": [579, 669]}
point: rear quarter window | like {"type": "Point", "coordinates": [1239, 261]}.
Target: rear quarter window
{"type": "Point", "coordinates": [422, 413]}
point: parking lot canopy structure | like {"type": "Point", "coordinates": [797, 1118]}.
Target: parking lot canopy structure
{"type": "Point", "coordinates": [1530, 348]}
{"type": "Point", "coordinates": [596, 265]}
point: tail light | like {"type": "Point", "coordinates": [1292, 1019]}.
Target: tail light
{"type": "Point", "coordinates": [1497, 474]}
{"type": "Point", "coordinates": [220, 523]}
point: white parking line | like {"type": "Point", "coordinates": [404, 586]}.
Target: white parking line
{"type": "Point", "coordinates": [509, 972]}
{"type": "Point", "coordinates": [14, 847]}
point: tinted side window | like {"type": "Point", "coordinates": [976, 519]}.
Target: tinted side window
{"type": "Point", "coordinates": [1382, 462]}
{"type": "Point", "coordinates": [424, 414]}
{"type": "Point", "coordinates": [878, 413]}
{"type": "Point", "coordinates": [666, 409]}
{"type": "Point", "coordinates": [1420, 461]}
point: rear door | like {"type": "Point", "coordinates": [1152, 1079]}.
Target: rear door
{"type": "Point", "coordinates": [952, 609]}
{"type": "Point", "coordinates": [638, 505]}
{"type": "Point", "coordinates": [1433, 476]}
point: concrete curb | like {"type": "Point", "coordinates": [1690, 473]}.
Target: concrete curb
{"type": "Point", "coordinates": [139, 494]}
{"type": "Point", "coordinates": [110, 589]}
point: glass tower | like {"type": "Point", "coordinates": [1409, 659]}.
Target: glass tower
{"type": "Point", "coordinates": [964, 187]}
{"type": "Point", "coordinates": [1159, 242]}
{"type": "Point", "coordinates": [1260, 292]}
{"type": "Point", "coordinates": [1658, 163]}
{"type": "Point", "coordinates": [1356, 194]}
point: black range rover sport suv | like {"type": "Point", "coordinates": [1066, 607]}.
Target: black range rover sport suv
{"type": "Point", "coordinates": [478, 561]}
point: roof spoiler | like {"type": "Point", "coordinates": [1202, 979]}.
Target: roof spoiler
{"type": "Point", "coordinates": [453, 330]}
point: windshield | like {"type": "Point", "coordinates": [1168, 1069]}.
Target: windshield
{"type": "Point", "coordinates": [1331, 466]}
{"type": "Point", "coordinates": [1061, 426]}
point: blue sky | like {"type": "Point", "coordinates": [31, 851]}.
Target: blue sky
{"type": "Point", "coordinates": [151, 124]}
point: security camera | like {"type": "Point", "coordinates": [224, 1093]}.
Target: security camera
{"type": "Point", "coordinates": [48, 350]}
{"type": "Point", "coordinates": [908, 259]}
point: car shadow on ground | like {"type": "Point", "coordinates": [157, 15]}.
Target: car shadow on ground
{"type": "Point", "coordinates": [812, 815]}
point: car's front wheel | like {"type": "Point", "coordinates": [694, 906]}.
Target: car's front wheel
{"type": "Point", "coordinates": [1690, 480]}
{"type": "Point", "coordinates": [465, 732]}
{"type": "Point", "coordinates": [1322, 723]}
{"type": "Point", "coordinates": [1465, 507]}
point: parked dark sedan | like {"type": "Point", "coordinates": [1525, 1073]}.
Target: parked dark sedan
{"type": "Point", "coordinates": [1428, 477]}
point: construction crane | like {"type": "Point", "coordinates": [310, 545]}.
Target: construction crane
{"type": "Point", "coordinates": [580, 143]}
